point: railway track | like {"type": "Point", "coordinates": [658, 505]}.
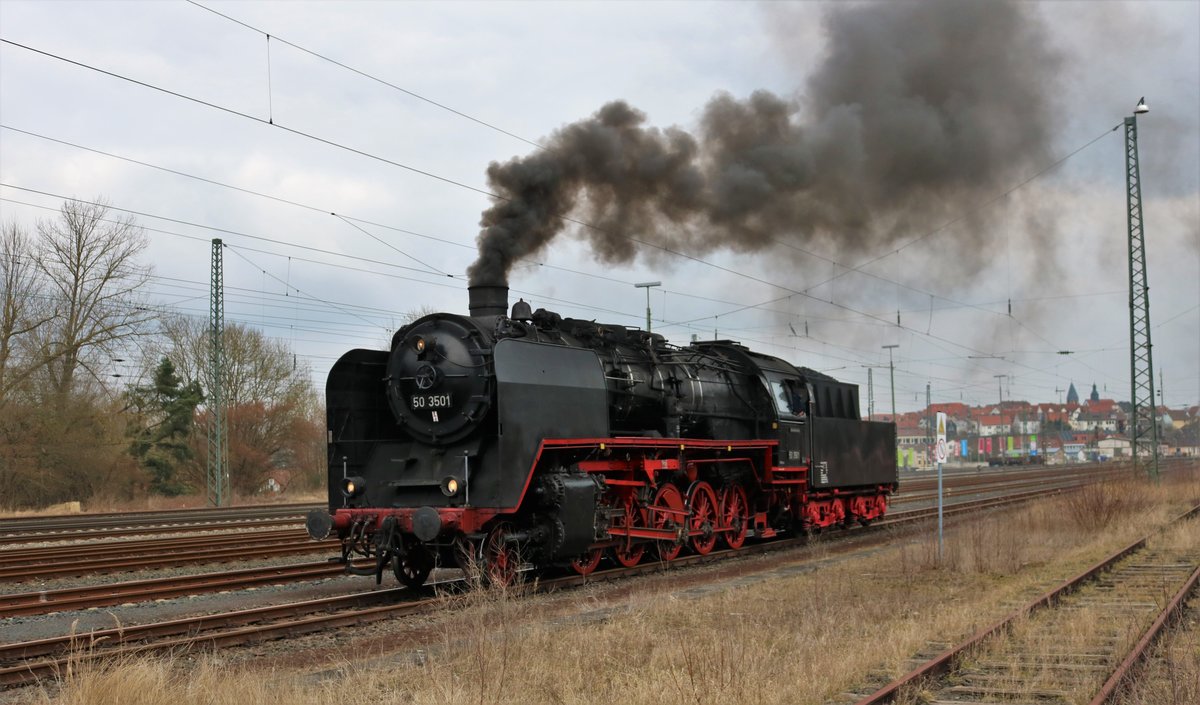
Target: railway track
{"type": "Point", "coordinates": [86, 597]}
{"type": "Point", "coordinates": [18, 530]}
{"type": "Point", "coordinates": [111, 533]}
{"type": "Point", "coordinates": [28, 662]}
{"type": "Point", "coordinates": [1078, 642]}
{"type": "Point", "coordinates": [121, 523]}
{"type": "Point", "coordinates": [37, 602]}
{"type": "Point", "coordinates": [71, 555]}
{"type": "Point", "coordinates": [116, 556]}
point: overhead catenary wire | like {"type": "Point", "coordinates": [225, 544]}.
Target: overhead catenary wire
{"type": "Point", "coordinates": [326, 211]}
{"type": "Point", "coordinates": [564, 217]}
{"type": "Point", "coordinates": [371, 77]}
{"type": "Point", "coordinates": [377, 261]}
{"type": "Point", "coordinates": [228, 231]}
{"type": "Point", "coordinates": [907, 244]}
{"type": "Point", "coordinates": [317, 209]}
{"type": "Point", "coordinates": [856, 268]}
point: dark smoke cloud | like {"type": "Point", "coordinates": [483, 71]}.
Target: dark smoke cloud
{"type": "Point", "coordinates": [917, 112]}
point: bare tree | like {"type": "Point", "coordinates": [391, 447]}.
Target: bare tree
{"type": "Point", "coordinates": [89, 261]}
{"type": "Point", "coordinates": [272, 408]}
{"type": "Point", "coordinates": [257, 368]}
{"type": "Point", "coordinates": [69, 300]}
{"type": "Point", "coordinates": [23, 306]}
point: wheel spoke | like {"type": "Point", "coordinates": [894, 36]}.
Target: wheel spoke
{"type": "Point", "coordinates": [413, 567]}
{"type": "Point", "coordinates": [735, 515]}
{"type": "Point", "coordinates": [499, 557]}
{"type": "Point", "coordinates": [629, 551]}
{"type": "Point", "coordinates": [586, 563]}
{"type": "Point", "coordinates": [703, 517]}
{"type": "Point", "coordinates": [668, 496]}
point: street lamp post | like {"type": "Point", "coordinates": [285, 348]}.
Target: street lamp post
{"type": "Point", "coordinates": [892, 376]}
{"type": "Point", "coordinates": [647, 286]}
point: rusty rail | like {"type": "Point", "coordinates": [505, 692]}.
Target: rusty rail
{"type": "Point", "coordinates": [943, 663]}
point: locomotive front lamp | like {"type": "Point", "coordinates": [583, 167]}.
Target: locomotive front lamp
{"type": "Point", "coordinates": [450, 486]}
{"type": "Point", "coordinates": [353, 486]}
{"type": "Point", "coordinates": [419, 345]}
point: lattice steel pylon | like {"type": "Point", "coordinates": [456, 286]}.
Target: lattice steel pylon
{"type": "Point", "coordinates": [1142, 424]}
{"type": "Point", "coordinates": [218, 440]}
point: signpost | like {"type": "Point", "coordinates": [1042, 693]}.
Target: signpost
{"type": "Point", "coordinates": [940, 451]}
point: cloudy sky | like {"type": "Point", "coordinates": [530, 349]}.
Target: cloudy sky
{"type": "Point", "coordinates": [922, 176]}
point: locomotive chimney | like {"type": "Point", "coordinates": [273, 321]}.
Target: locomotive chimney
{"type": "Point", "coordinates": [488, 299]}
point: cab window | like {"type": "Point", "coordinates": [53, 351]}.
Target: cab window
{"type": "Point", "coordinates": [790, 398]}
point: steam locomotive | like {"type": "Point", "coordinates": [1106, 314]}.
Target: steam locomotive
{"type": "Point", "coordinates": [502, 443]}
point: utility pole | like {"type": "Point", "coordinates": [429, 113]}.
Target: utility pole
{"type": "Point", "coordinates": [1000, 389]}
{"type": "Point", "coordinates": [928, 418]}
{"type": "Point", "coordinates": [1060, 393]}
{"type": "Point", "coordinates": [870, 395]}
{"type": "Point", "coordinates": [892, 375]}
{"type": "Point", "coordinates": [1144, 428]}
{"type": "Point", "coordinates": [218, 441]}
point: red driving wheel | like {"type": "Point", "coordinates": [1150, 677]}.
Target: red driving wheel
{"type": "Point", "coordinates": [735, 515]}
{"type": "Point", "coordinates": [668, 496]}
{"type": "Point", "coordinates": [627, 552]}
{"type": "Point", "coordinates": [586, 563]}
{"type": "Point", "coordinates": [704, 517]}
{"type": "Point", "coordinates": [499, 557]}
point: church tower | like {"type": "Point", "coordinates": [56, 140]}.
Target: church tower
{"type": "Point", "coordinates": [1072, 395]}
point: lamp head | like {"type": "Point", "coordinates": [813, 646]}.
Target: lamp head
{"type": "Point", "coordinates": [1141, 107]}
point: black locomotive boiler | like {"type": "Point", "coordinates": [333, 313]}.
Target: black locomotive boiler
{"type": "Point", "coordinates": [502, 440]}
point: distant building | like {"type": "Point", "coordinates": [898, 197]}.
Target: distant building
{"type": "Point", "coordinates": [1027, 425]}
{"type": "Point", "coordinates": [1095, 393]}
{"type": "Point", "coordinates": [995, 425]}
{"type": "Point", "coordinates": [1114, 447]}
{"type": "Point", "coordinates": [1072, 395]}
{"type": "Point", "coordinates": [1089, 421]}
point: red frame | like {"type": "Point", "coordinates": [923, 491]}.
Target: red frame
{"type": "Point", "coordinates": [633, 464]}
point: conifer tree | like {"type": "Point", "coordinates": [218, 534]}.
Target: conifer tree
{"type": "Point", "coordinates": [166, 410]}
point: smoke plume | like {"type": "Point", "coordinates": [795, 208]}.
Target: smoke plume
{"type": "Point", "coordinates": [917, 113]}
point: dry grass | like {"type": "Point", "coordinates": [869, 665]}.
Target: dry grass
{"type": "Point", "coordinates": [1095, 507]}
{"type": "Point", "coordinates": [1173, 674]}
{"type": "Point", "coordinates": [791, 637]}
